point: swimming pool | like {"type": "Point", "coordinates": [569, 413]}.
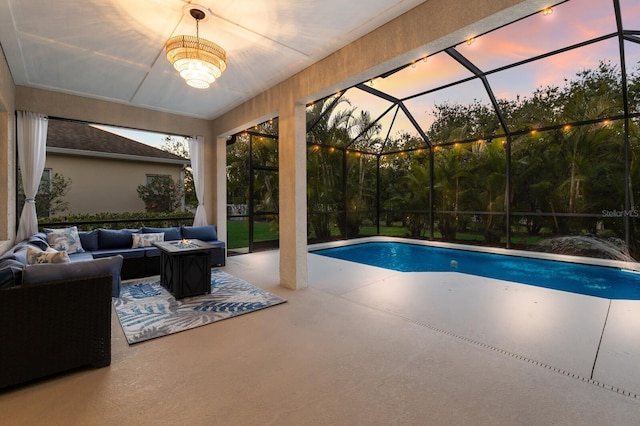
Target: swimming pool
{"type": "Point", "coordinates": [599, 281]}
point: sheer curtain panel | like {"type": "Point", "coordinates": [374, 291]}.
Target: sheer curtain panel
{"type": "Point", "coordinates": [196, 149]}
{"type": "Point", "coordinates": [32, 143]}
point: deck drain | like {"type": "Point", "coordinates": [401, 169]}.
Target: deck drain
{"type": "Point", "coordinates": [516, 356]}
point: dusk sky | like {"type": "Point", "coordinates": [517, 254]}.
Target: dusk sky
{"type": "Point", "coordinates": [572, 22]}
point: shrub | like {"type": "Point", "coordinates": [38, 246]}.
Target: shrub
{"type": "Point", "coordinates": [162, 194]}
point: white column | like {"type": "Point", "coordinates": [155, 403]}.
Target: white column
{"type": "Point", "coordinates": [220, 198]}
{"type": "Point", "coordinates": [292, 171]}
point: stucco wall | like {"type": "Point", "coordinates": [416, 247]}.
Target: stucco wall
{"type": "Point", "coordinates": [7, 156]}
{"type": "Point", "coordinates": [103, 185]}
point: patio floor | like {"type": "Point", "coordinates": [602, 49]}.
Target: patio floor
{"type": "Point", "coordinates": [586, 338]}
{"type": "Point", "coordinates": [366, 346]}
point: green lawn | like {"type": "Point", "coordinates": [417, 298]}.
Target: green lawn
{"type": "Point", "coordinates": [238, 234]}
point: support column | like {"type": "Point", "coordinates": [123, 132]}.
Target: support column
{"type": "Point", "coordinates": [292, 172]}
{"type": "Point", "coordinates": [217, 205]}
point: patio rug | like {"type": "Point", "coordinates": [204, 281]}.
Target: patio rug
{"type": "Point", "coordinates": [146, 310]}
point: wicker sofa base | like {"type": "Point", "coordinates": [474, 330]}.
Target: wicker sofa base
{"type": "Point", "coordinates": [146, 266]}
{"type": "Point", "coordinates": [53, 327]}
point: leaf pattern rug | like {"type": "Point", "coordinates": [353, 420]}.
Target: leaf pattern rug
{"type": "Point", "coordinates": [146, 310]}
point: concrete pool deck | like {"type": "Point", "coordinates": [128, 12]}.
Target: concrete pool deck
{"type": "Point", "coordinates": [584, 341]}
{"type": "Point", "coordinates": [590, 338]}
{"type": "Point", "coordinates": [593, 338]}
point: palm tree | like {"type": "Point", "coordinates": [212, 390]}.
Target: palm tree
{"type": "Point", "coordinates": [327, 128]}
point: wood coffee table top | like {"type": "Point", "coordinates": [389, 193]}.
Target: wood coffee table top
{"type": "Point", "coordinates": [183, 246]}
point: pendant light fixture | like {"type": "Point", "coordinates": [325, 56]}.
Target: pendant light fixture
{"type": "Point", "coordinates": [199, 61]}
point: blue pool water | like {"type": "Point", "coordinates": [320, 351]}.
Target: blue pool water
{"type": "Point", "coordinates": [600, 281]}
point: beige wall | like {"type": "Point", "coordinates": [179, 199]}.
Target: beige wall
{"type": "Point", "coordinates": [7, 156]}
{"type": "Point", "coordinates": [104, 185]}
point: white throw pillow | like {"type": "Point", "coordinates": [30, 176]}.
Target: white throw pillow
{"type": "Point", "coordinates": [65, 239]}
{"type": "Point", "coordinates": [146, 240]}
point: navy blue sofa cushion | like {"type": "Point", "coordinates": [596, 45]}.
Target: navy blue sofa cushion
{"type": "Point", "coordinates": [89, 240]}
{"type": "Point", "coordinates": [128, 253]}
{"type": "Point", "coordinates": [202, 233]}
{"type": "Point", "coordinates": [114, 239]}
{"type": "Point", "coordinates": [170, 234]}
{"type": "Point", "coordinates": [10, 272]}
{"type": "Point", "coordinates": [151, 251]}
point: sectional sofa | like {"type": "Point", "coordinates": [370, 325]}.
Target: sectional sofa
{"type": "Point", "coordinates": [140, 258]}
{"type": "Point", "coordinates": [56, 290]}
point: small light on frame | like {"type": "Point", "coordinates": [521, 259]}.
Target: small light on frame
{"type": "Point", "coordinates": [547, 11]}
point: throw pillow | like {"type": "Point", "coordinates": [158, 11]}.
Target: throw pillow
{"type": "Point", "coordinates": [89, 240]}
{"type": "Point", "coordinates": [170, 234]}
{"type": "Point", "coordinates": [114, 239]}
{"type": "Point", "coordinates": [35, 256]}
{"type": "Point", "coordinates": [202, 233]}
{"type": "Point", "coordinates": [65, 239]}
{"type": "Point", "coordinates": [146, 240]}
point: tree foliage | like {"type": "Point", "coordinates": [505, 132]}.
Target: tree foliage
{"type": "Point", "coordinates": [561, 179]}
{"type": "Point", "coordinates": [557, 176]}
{"type": "Point", "coordinates": [50, 197]}
{"type": "Point", "coordinates": [180, 147]}
{"type": "Point", "coordinates": [161, 194]}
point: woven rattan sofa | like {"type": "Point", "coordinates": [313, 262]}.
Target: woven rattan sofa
{"type": "Point", "coordinates": [50, 326]}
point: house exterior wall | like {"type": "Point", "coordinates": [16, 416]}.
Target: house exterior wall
{"type": "Point", "coordinates": [63, 105]}
{"type": "Point", "coordinates": [105, 185]}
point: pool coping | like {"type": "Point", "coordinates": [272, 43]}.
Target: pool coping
{"type": "Point", "coordinates": [630, 266]}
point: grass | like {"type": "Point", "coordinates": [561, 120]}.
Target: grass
{"type": "Point", "coordinates": [238, 234]}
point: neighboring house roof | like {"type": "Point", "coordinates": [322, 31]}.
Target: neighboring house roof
{"type": "Point", "coordinates": [74, 138]}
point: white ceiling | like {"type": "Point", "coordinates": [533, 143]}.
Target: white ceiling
{"type": "Point", "coordinates": [114, 49]}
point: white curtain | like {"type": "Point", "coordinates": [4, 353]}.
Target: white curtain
{"type": "Point", "coordinates": [32, 145]}
{"type": "Point", "coordinates": [196, 150]}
